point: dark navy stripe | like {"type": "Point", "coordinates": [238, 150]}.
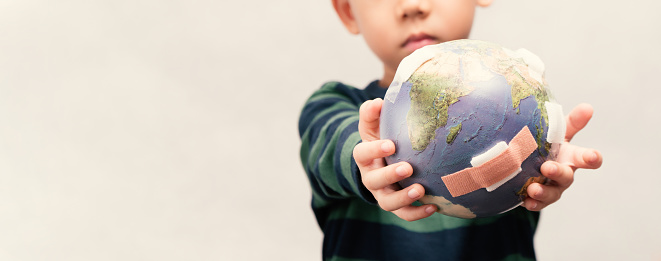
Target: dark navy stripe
{"type": "Point", "coordinates": [312, 110]}
{"type": "Point", "coordinates": [373, 241]}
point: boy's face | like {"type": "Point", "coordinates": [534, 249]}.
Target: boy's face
{"type": "Point", "coordinates": [394, 29]}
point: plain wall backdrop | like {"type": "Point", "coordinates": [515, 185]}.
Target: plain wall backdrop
{"type": "Point", "coordinates": [167, 130]}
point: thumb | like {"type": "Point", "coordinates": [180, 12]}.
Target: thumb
{"type": "Point", "coordinates": [368, 123]}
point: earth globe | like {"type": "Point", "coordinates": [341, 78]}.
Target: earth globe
{"type": "Point", "coordinates": [476, 121]}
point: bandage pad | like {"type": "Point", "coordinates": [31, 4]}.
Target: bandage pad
{"type": "Point", "coordinates": [494, 170]}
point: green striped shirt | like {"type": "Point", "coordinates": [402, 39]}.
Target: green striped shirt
{"type": "Point", "coordinates": [356, 228]}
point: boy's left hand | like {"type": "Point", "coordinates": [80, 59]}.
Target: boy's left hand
{"type": "Point", "coordinates": [570, 158]}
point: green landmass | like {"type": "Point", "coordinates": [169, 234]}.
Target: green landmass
{"type": "Point", "coordinates": [454, 131]}
{"type": "Point", "coordinates": [431, 96]}
{"type": "Point", "coordinates": [522, 89]}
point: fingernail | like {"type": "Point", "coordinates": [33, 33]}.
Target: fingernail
{"type": "Point", "coordinates": [385, 147]}
{"type": "Point", "coordinates": [593, 157]}
{"type": "Point", "coordinates": [414, 193]}
{"type": "Point", "coordinates": [533, 205]}
{"type": "Point", "coordinates": [553, 169]}
{"type": "Point", "coordinates": [430, 209]}
{"type": "Point", "coordinates": [401, 171]}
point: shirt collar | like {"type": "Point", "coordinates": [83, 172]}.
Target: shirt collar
{"type": "Point", "coordinates": [374, 91]}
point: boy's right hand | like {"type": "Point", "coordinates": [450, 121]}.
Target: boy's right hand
{"type": "Point", "coordinates": [379, 179]}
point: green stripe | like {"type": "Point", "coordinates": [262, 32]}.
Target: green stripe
{"type": "Point", "coordinates": [330, 85]}
{"type": "Point", "coordinates": [317, 145]}
{"type": "Point", "coordinates": [326, 94]}
{"type": "Point", "coordinates": [335, 107]}
{"type": "Point", "coordinates": [318, 200]}
{"type": "Point", "coordinates": [305, 150]}
{"type": "Point", "coordinates": [328, 172]}
{"type": "Point", "coordinates": [310, 150]}
{"type": "Point", "coordinates": [337, 258]}
{"type": "Point", "coordinates": [327, 90]}
{"type": "Point", "coordinates": [360, 210]}
{"type": "Point", "coordinates": [347, 155]}
{"type": "Point", "coordinates": [517, 257]}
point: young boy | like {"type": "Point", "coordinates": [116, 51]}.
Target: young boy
{"type": "Point", "coordinates": [362, 211]}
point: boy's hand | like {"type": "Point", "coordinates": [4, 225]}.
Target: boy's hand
{"type": "Point", "coordinates": [380, 179]}
{"type": "Point", "coordinates": [570, 158]}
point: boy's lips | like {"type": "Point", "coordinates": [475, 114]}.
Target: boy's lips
{"type": "Point", "coordinates": [416, 41]}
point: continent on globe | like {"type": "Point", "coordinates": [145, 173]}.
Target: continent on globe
{"type": "Point", "coordinates": [476, 121]}
{"type": "Point", "coordinates": [438, 91]}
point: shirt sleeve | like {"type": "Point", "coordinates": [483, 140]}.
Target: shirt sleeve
{"type": "Point", "coordinates": [328, 127]}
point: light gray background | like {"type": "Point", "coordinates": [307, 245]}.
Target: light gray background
{"type": "Point", "coordinates": [167, 130]}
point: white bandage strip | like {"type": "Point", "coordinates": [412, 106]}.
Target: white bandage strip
{"type": "Point", "coordinates": [536, 67]}
{"type": "Point", "coordinates": [490, 154]}
{"type": "Point", "coordinates": [557, 125]}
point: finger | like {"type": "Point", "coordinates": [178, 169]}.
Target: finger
{"type": "Point", "coordinates": [561, 175]}
{"type": "Point", "coordinates": [544, 194]}
{"type": "Point", "coordinates": [579, 157]}
{"type": "Point", "coordinates": [393, 200]}
{"type": "Point", "coordinates": [367, 153]}
{"type": "Point", "coordinates": [383, 177]}
{"type": "Point", "coordinates": [368, 123]}
{"type": "Point", "coordinates": [533, 205]}
{"type": "Point", "coordinates": [577, 119]}
{"type": "Point", "coordinates": [413, 213]}
{"type": "Point", "coordinates": [587, 159]}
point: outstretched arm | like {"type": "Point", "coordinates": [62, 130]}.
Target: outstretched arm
{"type": "Point", "coordinates": [329, 131]}
{"type": "Point", "coordinates": [570, 158]}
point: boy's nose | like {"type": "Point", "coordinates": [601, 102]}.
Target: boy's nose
{"type": "Point", "coordinates": [414, 8]}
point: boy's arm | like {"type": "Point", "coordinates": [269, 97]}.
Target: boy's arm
{"type": "Point", "coordinates": [570, 158]}
{"type": "Point", "coordinates": [328, 127]}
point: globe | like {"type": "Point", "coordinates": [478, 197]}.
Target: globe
{"type": "Point", "coordinates": [476, 121]}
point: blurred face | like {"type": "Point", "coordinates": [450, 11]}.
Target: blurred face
{"type": "Point", "coordinates": [394, 29]}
